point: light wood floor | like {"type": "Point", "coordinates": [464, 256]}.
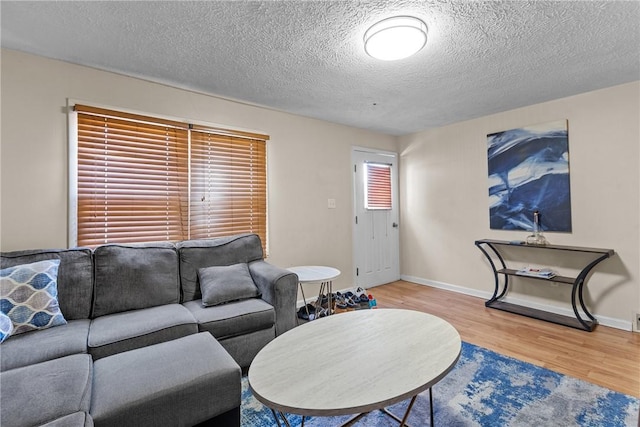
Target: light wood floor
{"type": "Point", "coordinates": [608, 357]}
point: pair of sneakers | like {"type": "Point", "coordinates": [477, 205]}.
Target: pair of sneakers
{"type": "Point", "coordinates": [361, 294]}
{"type": "Point", "coordinates": [311, 312]}
{"type": "Point", "coordinates": [351, 299]}
{"type": "Point", "coordinates": [307, 312]}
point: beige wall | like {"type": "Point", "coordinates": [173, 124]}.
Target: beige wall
{"type": "Point", "coordinates": [308, 160]}
{"type": "Point", "coordinates": [444, 202]}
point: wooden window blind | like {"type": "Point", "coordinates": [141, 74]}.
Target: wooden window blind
{"type": "Point", "coordinates": [378, 186]}
{"type": "Point", "coordinates": [228, 185]}
{"type": "Point", "coordinates": [134, 180]}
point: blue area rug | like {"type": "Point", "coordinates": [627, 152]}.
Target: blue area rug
{"type": "Point", "coordinates": [488, 389]}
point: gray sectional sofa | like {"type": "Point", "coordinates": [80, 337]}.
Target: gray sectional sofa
{"type": "Point", "coordinates": [141, 346]}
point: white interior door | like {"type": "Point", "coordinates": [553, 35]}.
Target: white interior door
{"type": "Point", "coordinates": [376, 228]}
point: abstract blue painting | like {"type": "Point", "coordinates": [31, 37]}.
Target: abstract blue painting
{"type": "Point", "coordinates": [529, 171]}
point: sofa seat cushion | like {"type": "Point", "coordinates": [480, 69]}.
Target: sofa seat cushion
{"type": "Point", "coordinates": [41, 393]}
{"type": "Point", "coordinates": [234, 318]}
{"type": "Point", "coordinates": [46, 344]}
{"type": "Point", "coordinates": [115, 333]}
{"type": "Point", "coordinates": [77, 419]}
{"type": "Point", "coordinates": [176, 383]}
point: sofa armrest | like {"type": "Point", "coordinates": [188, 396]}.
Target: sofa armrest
{"type": "Point", "coordinates": [279, 287]}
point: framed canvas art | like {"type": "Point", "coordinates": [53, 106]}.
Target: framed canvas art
{"type": "Point", "coordinates": [529, 171]}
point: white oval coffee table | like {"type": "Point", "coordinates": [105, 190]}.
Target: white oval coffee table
{"type": "Point", "coordinates": [368, 360]}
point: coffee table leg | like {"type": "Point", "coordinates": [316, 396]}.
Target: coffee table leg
{"type": "Point", "coordinates": [353, 420]}
{"type": "Point", "coordinates": [304, 301]}
{"type": "Point", "coordinates": [284, 418]}
{"type": "Point", "coordinates": [406, 414]}
{"type": "Point", "coordinates": [431, 406]}
{"type": "Point", "coordinates": [403, 421]}
{"type": "Point", "coordinates": [319, 300]}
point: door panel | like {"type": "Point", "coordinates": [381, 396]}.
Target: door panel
{"type": "Point", "coordinates": [376, 232]}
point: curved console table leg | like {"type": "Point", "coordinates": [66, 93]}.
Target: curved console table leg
{"type": "Point", "coordinates": [496, 296]}
{"type": "Point", "coordinates": [584, 307]}
{"type": "Point", "coordinates": [578, 288]}
{"type": "Point", "coordinates": [576, 291]}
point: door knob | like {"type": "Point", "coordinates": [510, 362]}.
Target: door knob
{"type": "Point", "coordinates": [394, 225]}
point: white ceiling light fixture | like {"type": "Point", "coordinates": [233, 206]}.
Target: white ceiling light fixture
{"type": "Point", "coordinates": [395, 38]}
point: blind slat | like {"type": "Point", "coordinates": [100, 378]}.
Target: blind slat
{"type": "Point", "coordinates": [133, 180]}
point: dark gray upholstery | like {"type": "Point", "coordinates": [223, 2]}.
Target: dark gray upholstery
{"type": "Point", "coordinates": [223, 283]}
{"type": "Point", "coordinates": [196, 254]}
{"type": "Point", "coordinates": [234, 318]}
{"type": "Point", "coordinates": [118, 332]}
{"type": "Point", "coordinates": [243, 348]}
{"type": "Point", "coordinates": [134, 277]}
{"type": "Point", "coordinates": [137, 310]}
{"type": "Point", "coordinates": [194, 370]}
{"type": "Point", "coordinates": [279, 287]}
{"type": "Point", "coordinates": [75, 277]}
{"type": "Point", "coordinates": [39, 346]}
{"type": "Point", "coordinates": [43, 392]}
{"type": "Point", "coordinates": [77, 419]}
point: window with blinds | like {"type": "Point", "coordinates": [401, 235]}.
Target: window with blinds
{"type": "Point", "coordinates": [142, 179]}
{"type": "Point", "coordinates": [377, 186]}
{"type": "Point", "coordinates": [228, 185]}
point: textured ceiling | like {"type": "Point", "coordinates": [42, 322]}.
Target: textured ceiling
{"type": "Point", "coordinates": [307, 57]}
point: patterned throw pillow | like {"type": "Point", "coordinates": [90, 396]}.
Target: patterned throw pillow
{"type": "Point", "coordinates": [29, 296]}
{"type": "Point", "coordinates": [6, 327]}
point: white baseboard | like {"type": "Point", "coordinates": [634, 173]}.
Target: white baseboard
{"type": "Point", "coordinates": [602, 320]}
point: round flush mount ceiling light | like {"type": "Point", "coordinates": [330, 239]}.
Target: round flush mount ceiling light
{"type": "Point", "coordinates": [395, 38]}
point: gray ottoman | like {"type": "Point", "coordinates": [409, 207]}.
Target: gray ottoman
{"type": "Point", "coordinates": [181, 382]}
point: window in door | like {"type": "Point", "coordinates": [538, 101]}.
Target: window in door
{"type": "Point", "coordinates": [377, 186]}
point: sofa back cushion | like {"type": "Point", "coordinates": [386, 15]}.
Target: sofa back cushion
{"type": "Point", "coordinates": [196, 254]}
{"type": "Point", "coordinates": [75, 276]}
{"type": "Point", "coordinates": [131, 277]}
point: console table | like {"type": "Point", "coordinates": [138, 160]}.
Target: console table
{"type": "Point", "coordinates": [577, 283]}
